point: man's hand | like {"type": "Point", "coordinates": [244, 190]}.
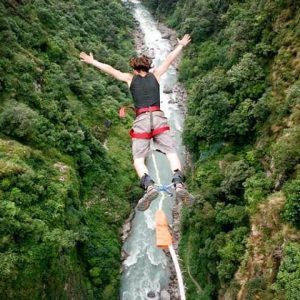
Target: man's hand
{"type": "Point", "coordinates": [172, 56]}
{"type": "Point", "coordinates": [89, 59]}
{"type": "Point", "coordinates": [185, 40]}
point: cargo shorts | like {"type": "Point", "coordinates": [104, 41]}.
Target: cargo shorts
{"type": "Point", "coordinates": [163, 142]}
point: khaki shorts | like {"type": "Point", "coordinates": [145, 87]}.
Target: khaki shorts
{"type": "Point", "coordinates": [163, 142]}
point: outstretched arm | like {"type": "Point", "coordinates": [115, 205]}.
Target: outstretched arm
{"type": "Point", "coordinates": [89, 59]}
{"type": "Point", "coordinates": [172, 56]}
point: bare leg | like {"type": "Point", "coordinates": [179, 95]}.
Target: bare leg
{"type": "Point", "coordinates": [140, 167]}
{"type": "Point", "coordinates": [174, 161]}
{"type": "Point", "coordinates": [175, 165]}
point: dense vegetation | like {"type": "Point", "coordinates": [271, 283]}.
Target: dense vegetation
{"type": "Point", "coordinates": [63, 196]}
{"type": "Point", "coordinates": [241, 240]}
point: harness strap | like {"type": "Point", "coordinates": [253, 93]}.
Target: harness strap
{"type": "Point", "coordinates": [148, 135]}
{"type": "Point", "coordinates": [138, 111]}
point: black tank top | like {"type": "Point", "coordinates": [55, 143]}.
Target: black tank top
{"type": "Point", "coordinates": [145, 91]}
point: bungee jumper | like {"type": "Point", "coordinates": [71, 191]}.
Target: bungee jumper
{"type": "Point", "coordinates": [150, 122]}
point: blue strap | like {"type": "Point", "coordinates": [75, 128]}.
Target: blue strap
{"type": "Point", "coordinates": [165, 188]}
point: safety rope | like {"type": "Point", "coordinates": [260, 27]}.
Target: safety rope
{"type": "Point", "coordinates": [178, 272]}
{"type": "Point", "coordinates": [167, 189]}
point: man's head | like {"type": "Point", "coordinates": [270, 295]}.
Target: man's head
{"type": "Point", "coordinates": [141, 63]}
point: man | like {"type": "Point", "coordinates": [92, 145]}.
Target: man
{"type": "Point", "coordinates": [150, 122]}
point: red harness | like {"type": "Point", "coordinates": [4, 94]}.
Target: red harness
{"type": "Point", "coordinates": [144, 135]}
{"type": "Point", "coordinates": [148, 135]}
{"type": "Point", "coordinates": [139, 111]}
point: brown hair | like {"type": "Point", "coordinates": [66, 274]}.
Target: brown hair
{"type": "Point", "coordinates": [141, 63]}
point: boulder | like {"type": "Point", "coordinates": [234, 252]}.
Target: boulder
{"type": "Point", "coordinates": [151, 295]}
{"type": "Point", "coordinates": [164, 295]}
{"type": "Point", "coordinates": [168, 90]}
{"type": "Point", "coordinates": [166, 35]}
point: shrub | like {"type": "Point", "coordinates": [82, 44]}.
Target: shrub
{"type": "Point", "coordinates": [257, 187]}
{"type": "Point", "coordinates": [291, 211]}
{"type": "Point", "coordinates": [254, 286]}
{"type": "Point", "coordinates": [18, 120]}
{"type": "Point", "coordinates": [288, 278]}
{"type": "Point", "coordinates": [204, 127]}
{"type": "Point", "coordinates": [247, 78]}
{"type": "Point", "coordinates": [235, 174]}
{"type": "Point", "coordinates": [231, 253]}
{"type": "Point", "coordinates": [230, 214]}
{"type": "Point", "coordinates": [286, 151]}
{"type": "Point", "coordinates": [241, 120]}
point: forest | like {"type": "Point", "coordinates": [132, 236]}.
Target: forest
{"type": "Point", "coordinates": [241, 241]}
{"type": "Point", "coordinates": [66, 177]}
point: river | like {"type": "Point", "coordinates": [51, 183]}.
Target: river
{"type": "Point", "coordinates": [146, 271]}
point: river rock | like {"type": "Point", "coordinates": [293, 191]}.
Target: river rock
{"type": "Point", "coordinates": [168, 91]}
{"type": "Point", "coordinates": [151, 53]}
{"type": "Point", "coordinates": [151, 295]}
{"type": "Point", "coordinates": [166, 35]}
{"type": "Point", "coordinates": [124, 255]}
{"type": "Point", "coordinates": [127, 227]}
{"type": "Point", "coordinates": [172, 101]}
{"type": "Point", "coordinates": [164, 295]}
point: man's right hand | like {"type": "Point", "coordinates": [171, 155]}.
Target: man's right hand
{"type": "Point", "coordinates": [89, 59]}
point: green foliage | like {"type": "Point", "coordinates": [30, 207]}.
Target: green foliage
{"type": "Point", "coordinates": [39, 223]}
{"type": "Point", "coordinates": [227, 215]}
{"type": "Point", "coordinates": [257, 187]}
{"type": "Point", "coordinates": [223, 105]}
{"type": "Point", "coordinates": [286, 151]}
{"type": "Point", "coordinates": [18, 120]}
{"type": "Point", "coordinates": [235, 175]}
{"type": "Point", "coordinates": [291, 211]}
{"type": "Point", "coordinates": [215, 231]}
{"type": "Point", "coordinates": [161, 8]}
{"type": "Point", "coordinates": [246, 78]}
{"type": "Point", "coordinates": [242, 75]}
{"type": "Point", "coordinates": [293, 96]}
{"type": "Point", "coordinates": [288, 277]}
{"type": "Point", "coordinates": [208, 103]}
{"type": "Point", "coordinates": [59, 238]}
{"type": "Point", "coordinates": [254, 286]}
{"type": "Point", "coordinates": [231, 253]}
{"type": "Point", "coordinates": [209, 178]}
